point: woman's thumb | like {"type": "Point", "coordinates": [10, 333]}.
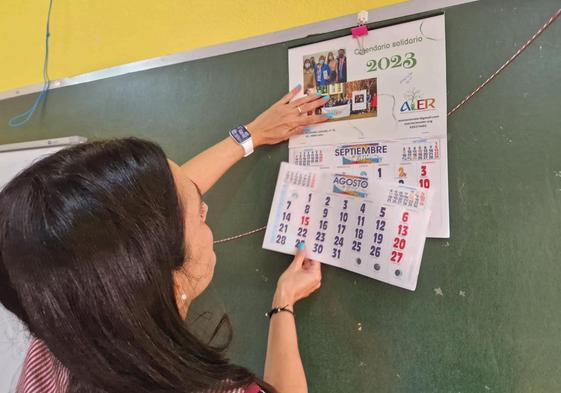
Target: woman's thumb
{"type": "Point", "coordinates": [299, 257]}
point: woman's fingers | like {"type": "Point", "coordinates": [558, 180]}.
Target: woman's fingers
{"type": "Point", "coordinates": [312, 105]}
{"type": "Point", "coordinates": [295, 131]}
{"type": "Point", "coordinates": [290, 95]}
{"type": "Point", "coordinates": [312, 119]}
{"type": "Point", "coordinates": [304, 120]}
{"type": "Point", "coordinates": [301, 124]}
{"type": "Point", "coordinates": [299, 259]}
{"type": "Point", "coordinates": [309, 264]}
{"type": "Point", "coordinates": [313, 267]}
{"type": "Point", "coordinates": [305, 100]}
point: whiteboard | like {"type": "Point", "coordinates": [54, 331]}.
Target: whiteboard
{"type": "Point", "coordinates": [14, 338]}
{"type": "Point", "coordinates": [13, 162]}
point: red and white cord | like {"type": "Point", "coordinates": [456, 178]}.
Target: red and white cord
{"type": "Point", "coordinates": [508, 62]}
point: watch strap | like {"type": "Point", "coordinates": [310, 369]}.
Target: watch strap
{"type": "Point", "coordinates": [247, 146]}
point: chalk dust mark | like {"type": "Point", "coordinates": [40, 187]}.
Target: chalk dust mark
{"type": "Point", "coordinates": [438, 291]}
{"type": "Point", "coordinates": [461, 191]}
{"type": "Point", "coordinates": [407, 78]}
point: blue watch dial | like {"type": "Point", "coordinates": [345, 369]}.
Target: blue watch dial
{"type": "Point", "coordinates": [240, 134]}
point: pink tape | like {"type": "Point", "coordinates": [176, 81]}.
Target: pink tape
{"type": "Point", "coordinates": [359, 31]}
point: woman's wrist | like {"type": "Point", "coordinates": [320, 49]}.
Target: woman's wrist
{"type": "Point", "coordinates": [255, 134]}
{"type": "Point", "coordinates": [283, 299]}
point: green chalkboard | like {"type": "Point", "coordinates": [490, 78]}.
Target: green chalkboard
{"type": "Point", "coordinates": [497, 325]}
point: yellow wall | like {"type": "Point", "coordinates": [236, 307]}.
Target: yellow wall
{"type": "Point", "coordinates": [91, 34]}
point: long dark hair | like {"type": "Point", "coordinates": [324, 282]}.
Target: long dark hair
{"type": "Point", "coordinates": [89, 240]}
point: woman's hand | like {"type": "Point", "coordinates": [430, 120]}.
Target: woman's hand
{"type": "Point", "coordinates": [283, 119]}
{"type": "Point", "coordinates": [298, 281]}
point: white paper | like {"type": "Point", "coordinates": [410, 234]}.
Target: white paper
{"type": "Point", "coordinates": [352, 221]}
{"type": "Point", "coordinates": [391, 91]}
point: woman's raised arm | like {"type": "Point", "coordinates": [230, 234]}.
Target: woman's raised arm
{"type": "Point", "coordinates": [282, 120]}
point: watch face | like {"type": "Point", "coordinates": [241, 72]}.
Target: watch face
{"type": "Point", "coordinates": [240, 134]}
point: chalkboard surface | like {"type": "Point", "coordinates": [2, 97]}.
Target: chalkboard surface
{"type": "Point", "coordinates": [485, 316]}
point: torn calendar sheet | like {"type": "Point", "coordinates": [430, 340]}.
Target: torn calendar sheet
{"type": "Point", "coordinates": [391, 92]}
{"type": "Point", "coordinates": [351, 221]}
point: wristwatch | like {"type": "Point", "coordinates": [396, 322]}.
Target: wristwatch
{"type": "Point", "coordinates": [241, 135]}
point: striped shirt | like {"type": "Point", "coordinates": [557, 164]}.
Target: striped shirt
{"type": "Point", "coordinates": [43, 373]}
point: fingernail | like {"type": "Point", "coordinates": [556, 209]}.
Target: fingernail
{"type": "Point", "coordinates": [318, 94]}
{"type": "Point", "coordinates": [298, 86]}
{"type": "Point", "coordinates": [326, 98]}
{"type": "Point", "coordinates": [329, 115]}
{"type": "Point", "coordinates": [307, 129]}
{"type": "Point", "coordinates": [301, 245]}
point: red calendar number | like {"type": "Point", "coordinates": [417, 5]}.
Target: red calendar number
{"type": "Point", "coordinates": [423, 170]}
{"type": "Point", "coordinates": [402, 230]}
{"type": "Point", "coordinates": [396, 256]}
{"type": "Point", "coordinates": [424, 183]}
{"type": "Point", "coordinates": [305, 220]}
{"type": "Point", "coordinates": [399, 243]}
{"type": "Point", "coordinates": [405, 216]}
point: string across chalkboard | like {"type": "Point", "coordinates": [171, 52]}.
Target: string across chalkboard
{"type": "Point", "coordinates": [548, 22]}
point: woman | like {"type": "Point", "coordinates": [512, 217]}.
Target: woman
{"type": "Point", "coordinates": [313, 62]}
{"type": "Point", "coordinates": [309, 80]}
{"type": "Point", "coordinates": [332, 63]}
{"type": "Point", "coordinates": [103, 247]}
{"type": "Point", "coordinates": [322, 72]}
{"type": "Point", "coordinates": [341, 66]}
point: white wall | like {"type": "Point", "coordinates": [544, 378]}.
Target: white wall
{"type": "Point", "coordinates": [14, 341]}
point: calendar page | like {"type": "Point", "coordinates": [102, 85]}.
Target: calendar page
{"type": "Point", "coordinates": [414, 162]}
{"type": "Point", "coordinates": [350, 220]}
{"type": "Point", "coordinates": [386, 90]}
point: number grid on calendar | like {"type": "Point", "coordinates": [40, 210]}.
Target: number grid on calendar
{"type": "Point", "coordinates": [379, 233]}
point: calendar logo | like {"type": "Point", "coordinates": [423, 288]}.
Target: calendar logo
{"type": "Point", "coordinates": [414, 101]}
{"type": "Point", "coordinates": [356, 186]}
{"type": "Point", "coordinates": [366, 153]}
